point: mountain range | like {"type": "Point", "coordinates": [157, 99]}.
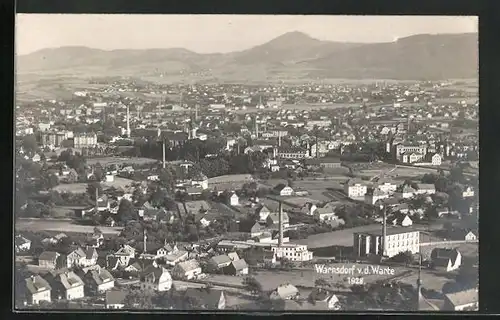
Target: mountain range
{"type": "Point", "coordinates": [293, 55]}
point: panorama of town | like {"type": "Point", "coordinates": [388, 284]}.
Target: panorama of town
{"type": "Point", "coordinates": [249, 197]}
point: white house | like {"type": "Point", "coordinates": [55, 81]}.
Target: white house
{"type": "Point", "coordinates": [187, 270]}
{"type": "Point", "coordinates": [234, 200]}
{"type": "Point", "coordinates": [436, 159]}
{"type": "Point", "coordinates": [263, 213]}
{"type": "Point", "coordinates": [71, 285]}
{"type": "Point", "coordinates": [283, 190]}
{"type": "Point", "coordinates": [355, 189]}
{"type": "Point", "coordinates": [400, 220]}
{"type": "Point", "coordinates": [38, 290]}
{"type": "Point", "coordinates": [468, 192]}
{"type": "Point", "coordinates": [425, 189]}
{"type": "Point", "coordinates": [101, 280]}
{"type": "Point", "coordinates": [156, 279]}
{"type": "Point", "coordinates": [174, 258]}
{"type": "Point", "coordinates": [405, 193]}
{"type": "Point", "coordinates": [386, 186]}
{"type": "Point", "coordinates": [293, 252]}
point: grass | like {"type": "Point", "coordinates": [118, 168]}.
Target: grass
{"type": "Point", "coordinates": [118, 182]}
{"type": "Point", "coordinates": [62, 226]}
{"type": "Point", "coordinates": [105, 161]}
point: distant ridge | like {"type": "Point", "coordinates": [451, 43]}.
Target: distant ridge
{"type": "Point", "coordinates": [441, 56]}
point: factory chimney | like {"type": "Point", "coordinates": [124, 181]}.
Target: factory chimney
{"type": "Point", "coordinates": [163, 154]}
{"type": "Point", "coordinates": [279, 139]}
{"type": "Point", "coordinates": [280, 221]}
{"type": "Point", "coordinates": [196, 113]}
{"type": "Point", "coordinates": [96, 200]}
{"type": "Point", "coordinates": [145, 240]}
{"type": "Point", "coordinates": [384, 233]}
{"type": "Point", "coordinates": [128, 122]}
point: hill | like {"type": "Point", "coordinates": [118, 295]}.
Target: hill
{"type": "Point", "coordinates": [293, 54]}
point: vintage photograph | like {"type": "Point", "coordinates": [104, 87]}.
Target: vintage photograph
{"type": "Point", "coordinates": [246, 163]}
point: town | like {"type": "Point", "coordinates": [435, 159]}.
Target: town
{"type": "Point", "coordinates": [132, 194]}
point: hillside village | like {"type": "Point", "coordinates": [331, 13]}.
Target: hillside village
{"type": "Point", "coordinates": [195, 202]}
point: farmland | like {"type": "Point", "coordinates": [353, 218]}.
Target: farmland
{"type": "Point", "coordinates": [61, 226]}
{"type": "Point", "coordinates": [106, 161]}
{"type": "Point", "coordinates": [118, 182]}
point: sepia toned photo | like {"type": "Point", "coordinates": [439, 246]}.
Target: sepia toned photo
{"type": "Point", "coordinates": [259, 163]}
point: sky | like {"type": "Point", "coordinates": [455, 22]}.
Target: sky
{"type": "Point", "coordinates": [217, 33]}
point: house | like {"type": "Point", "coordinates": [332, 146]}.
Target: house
{"type": "Point", "coordinates": [175, 257]}
{"type": "Point", "coordinates": [325, 214]}
{"type": "Point", "coordinates": [322, 299]}
{"type": "Point", "coordinates": [402, 220]}
{"type": "Point", "coordinates": [234, 200]}
{"type": "Point", "coordinates": [187, 270]}
{"type": "Point", "coordinates": [210, 299]}
{"type": "Point", "coordinates": [49, 259]}
{"type": "Point", "coordinates": [374, 195]}
{"type": "Point", "coordinates": [268, 257]}
{"type": "Point", "coordinates": [233, 256]}
{"type": "Point", "coordinates": [309, 208]}
{"type": "Point", "coordinates": [110, 222]}
{"type": "Point", "coordinates": [434, 158]}
{"type": "Point", "coordinates": [125, 252]}
{"type": "Point", "coordinates": [273, 219]}
{"type": "Point", "coordinates": [447, 259]}
{"type": "Point", "coordinates": [467, 192]}
{"type": "Point", "coordinates": [237, 268]}
{"type": "Point", "coordinates": [285, 292]}
{"type": "Point", "coordinates": [156, 279]}
{"type": "Point", "coordinates": [166, 249]}
{"type": "Point", "coordinates": [355, 188]}
{"type": "Point", "coordinates": [22, 244]}
{"type": "Point", "coordinates": [466, 300]}
{"type": "Point", "coordinates": [115, 299]}
{"type": "Point", "coordinates": [386, 186]}
{"type": "Point", "coordinates": [99, 280]}
{"type": "Point", "coordinates": [82, 258]}
{"type": "Point", "coordinates": [425, 189]}
{"type": "Point", "coordinates": [256, 230]}
{"type": "Point", "coordinates": [38, 289]}
{"type": "Point", "coordinates": [405, 192]}
{"type": "Point", "coordinates": [263, 212]}
{"type": "Point", "coordinates": [464, 234]}
{"type": "Point", "coordinates": [219, 262]}
{"type": "Point", "coordinates": [68, 286]}
{"type": "Point", "coordinates": [283, 190]}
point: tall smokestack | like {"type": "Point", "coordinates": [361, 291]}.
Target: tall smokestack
{"type": "Point", "coordinates": [196, 113]}
{"type": "Point", "coordinates": [279, 139]}
{"type": "Point", "coordinates": [280, 221]}
{"type": "Point", "coordinates": [163, 154]}
{"type": "Point", "coordinates": [145, 240]}
{"type": "Point", "coordinates": [96, 199]}
{"type": "Point", "coordinates": [128, 122]}
{"type": "Point", "coordinates": [384, 233]}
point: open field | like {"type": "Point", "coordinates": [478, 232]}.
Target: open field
{"type": "Point", "coordinates": [118, 183]}
{"type": "Point", "coordinates": [106, 161]}
{"type": "Point", "coordinates": [61, 226]}
{"type": "Point", "coordinates": [336, 238]}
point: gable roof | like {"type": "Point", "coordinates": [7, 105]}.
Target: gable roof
{"type": "Point", "coordinates": [463, 297]}
{"type": "Point", "coordinates": [69, 280]}
{"type": "Point", "coordinates": [37, 284]}
{"type": "Point", "coordinates": [221, 259]}
{"type": "Point", "coordinates": [101, 276]}
{"type": "Point", "coordinates": [48, 256]}
{"type": "Point", "coordinates": [155, 272]}
{"type": "Point", "coordinates": [286, 290]}
{"type": "Point", "coordinates": [187, 266]}
{"type": "Point", "coordinates": [239, 265]}
{"type": "Point", "coordinates": [209, 297]}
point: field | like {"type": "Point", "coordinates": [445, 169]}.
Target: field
{"type": "Point", "coordinates": [398, 173]}
{"type": "Point", "coordinates": [61, 226]}
{"type": "Point", "coordinates": [106, 161]}
{"type": "Point", "coordinates": [119, 182]}
{"type": "Point", "coordinates": [336, 238]}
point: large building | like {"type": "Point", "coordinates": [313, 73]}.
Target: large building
{"type": "Point", "coordinates": [54, 138]}
{"type": "Point", "coordinates": [401, 149]}
{"type": "Point", "coordinates": [87, 140]}
{"type": "Point", "coordinates": [292, 252]}
{"type": "Point", "coordinates": [398, 240]}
